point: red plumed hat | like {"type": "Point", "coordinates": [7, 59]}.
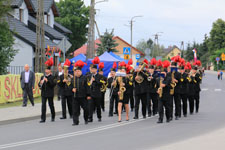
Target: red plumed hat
{"type": "Point", "coordinates": [159, 63]}
{"type": "Point", "coordinates": [166, 64]}
{"type": "Point", "coordinates": [67, 63]}
{"type": "Point", "coordinates": [130, 62]}
{"type": "Point", "coordinates": [114, 67]}
{"type": "Point", "coordinates": [176, 59]}
{"type": "Point", "coordinates": [96, 61]}
{"type": "Point", "coordinates": [182, 62]}
{"type": "Point", "coordinates": [79, 65]}
{"type": "Point", "coordinates": [153, 61]}
{"type": "Point", "coordinates": [188, 66]}
{"type": "Point", "coordinates": [198, 63]}
{"type": "Point", "coordinates": [100, 66]}
{"type": "Point", "coordinates": [49, 63]}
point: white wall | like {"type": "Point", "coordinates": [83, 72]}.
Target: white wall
{"type": "Point", "coordinates": [50, 18]}
{"type": "Point", "coordinates": [24, 55]}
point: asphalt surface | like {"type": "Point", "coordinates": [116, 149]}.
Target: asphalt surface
{"type": "Point", "coordinates": [142, 134]}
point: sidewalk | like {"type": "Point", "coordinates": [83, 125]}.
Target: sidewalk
{"type": "Point", "coordinates": [20, 114]}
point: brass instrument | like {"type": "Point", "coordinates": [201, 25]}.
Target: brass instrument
{"type": "Point", "coordinates": [130, 80]}
{"type": "Point", "coordinates": [66, 76]}
{"type": "Point", "coordinates": [172, 84]}
{"type": "Point", "coordinates": [104, 85]}
{"type": "Point", "coordinates": [122, 89]}
{"type": "Point", "coordinates": [149, 78]}
{"type": "Point", "coordinates": [160, 89]}
{"type": "Point", "coordinates": [140, 79]}
{"type": "Point", "coordinates": [74, 79]}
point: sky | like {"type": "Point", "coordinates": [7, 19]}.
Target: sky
{"type": "Point", "coordinates": [178, 20]}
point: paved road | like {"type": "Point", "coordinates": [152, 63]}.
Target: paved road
{"type": "Point", "coordinates": [142, 134]}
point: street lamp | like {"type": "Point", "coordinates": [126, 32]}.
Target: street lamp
{"type": "Point", "coordinates": [131, 32]}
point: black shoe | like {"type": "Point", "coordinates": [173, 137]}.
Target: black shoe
{"type": "Point", "coordinates": [168, 120]}
{"type": "Point", "coordinates": [196, 111]}
{"type": "Point", "coordinates": [86, 122]}
{"type": "Point", "coordinates": [132, 109]}
{"type": "Point", "coordinates": [177, 118]}
{"type": "Point", "coordinates": [159, 121]}
{"type": "Point", "coordinates": [90, 120]}
{"type": "Point", "coordinates": [144, 117]}
{"type": "Point", "coordinates": [52, 120]}
{"type": "Point", "coordinates": [171, 118]}
{"type": "Point", "coordinates": [119, 120]}
{"type": "Point", "coordinates": [24, 105]}
{"type": "Point", "coordinates": [103, 109]}
{"type": "Point", "coordinates": [115, 113]}
{"type": "Point", "coordinates": [99, 120]}
{"type": "Point", "coordinates": [191, 113]}
{"type": "Point", "coordinates": [135, 118]}
{"type": "Point", "coordinates": [149, 115]}
{"type": "Point", "coordinates": [185, 115]}
{"type": "Point", "coordinates": [33, 104]}
{"type": "Point", "coordinates": [75, 124]}
{"type": "Point", "coordinates": [62, 118]}
{"type": "Point", "coordinates": [42, 121]}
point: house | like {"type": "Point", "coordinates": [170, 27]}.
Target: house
{"type": "Point", "coordinates": [22, 22]}
{"type": "Point", "coordinates": [121, 44]}
{"type": "Point", "coordinates": [171, 51]}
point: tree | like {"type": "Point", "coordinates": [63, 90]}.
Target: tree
{"type": "Point", "coordinates": [142, 45]}
{"type": "Point", "coordinates": [217, 53]}
{"type": "Point", "coordinates": [217, 37]}
{"type": "Point", "coordinates": [107, 43]}
{"type": "Point", "coordinates": [74, 16]}
{"type": "Point", "coordinates": [7, 52]}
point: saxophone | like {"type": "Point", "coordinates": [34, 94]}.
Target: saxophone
{"type": "Point", "coordinates": [122, 89]}
{"type": "Point", "coordinates": [172, 84]}
{"type": "Point", "coordinates": [160, 89]}
{"type": "Point", "coordinates": [66, 76]}
{"type": "Point", "coordinates": [104, 85]}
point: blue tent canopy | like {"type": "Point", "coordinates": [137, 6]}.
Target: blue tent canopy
{"type": "Point", "coordinates": [78, 57]}
{"type": "Point", "coordinates": [108, 57]}
{"type": "Point", "coordinates": [118, 57]}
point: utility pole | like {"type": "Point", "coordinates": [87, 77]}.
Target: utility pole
{"type": "Point", "coordinates": [91, 30]}
{"type": "Point", "coordinates": [182, 49]}
{"type": "Point", "coordinates": [131, 33]}
{"type": "Point", "coordinates": [40, 39]}
{"type": "Point", "coordinates": [156, 44]}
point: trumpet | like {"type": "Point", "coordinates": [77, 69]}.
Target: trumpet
{"type": "Point", "coordinates": [122, 89]}
{"type": "Point", "coordinates": [66, 76]}
{"type": "Point", "coordinates": [140, 79]}
{"type": "Point", "coordinates": [91, 81]}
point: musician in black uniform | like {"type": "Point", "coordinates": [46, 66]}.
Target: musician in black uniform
{"type": "Point", "coordinates": [164, 97]}
{"type": "Point", "coordinates": [197, 81]}
{"type": "Point", "coordinates": [46, 85]}
{"type": "Point", "coordinates": [140, 89]}
{"type": "Point", "coordinates": [67, 94]}
{"type": "Point", "coordinates": [190, 89]}
{"type": "Point", "coordinates": [183, 89]}
{"type": "Point", "coordinates": [123, 93]}
{"type": "Point", "coordinates": [153, 96]}
{"type": "Point", "coordinates": [104, 85]}
{"type": "Point", "coordinates": [114, 88]}
{"type": "Point", "coordinates": [94, 93]}
{"type": "Point", "coordinates": [176, 94]}
{"type": "Point", "coordinates": [79, 83]}
{"type": "Point", "coordinates": [131, 88]}
{"type": "Point", "coordinates": [57, 78]}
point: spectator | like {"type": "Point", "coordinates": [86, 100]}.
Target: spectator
{"type": "Point", "coordinates": [27, 80]}
{"type": "Point", "coordinates": [221, 74]}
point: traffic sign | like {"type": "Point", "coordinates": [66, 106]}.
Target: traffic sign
{"type": "Point", "coordinates": [126, 50]}
{"type": "Point", "coordinates": [138, 56]}
{"type": "Point", "coordinates": [126, 56]}
{"type": "Point", "coordinates": [223, 56]}
{"type": "Point", "coordinates": [217, 59]}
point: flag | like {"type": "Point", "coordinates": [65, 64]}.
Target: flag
{"type": "Point", "coordinates": [195, 54]}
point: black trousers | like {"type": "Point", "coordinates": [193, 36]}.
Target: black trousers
{"type": "Point", "coordinates": [77, 104]}
{"type": "Point", "coordinates": [131, 97]}
{"type": "Point", "coordinates": [113, 99]}
{"type": "Point", "coordinates": [27, 92]}
{"type": "Point", "coordinates": [143, 99]}
{"type": "Point", "coordinates": [103, 101]}
{"type": "Point", "coordinates": [67, 100]}
{"type": "Point", "coordinates": [94, 102]}
{"type": "Point", "coordinates": [197, 101]}
{"type": "Point", "coordinates": [184, 103]}
{"type": "Point", "coordinates": [191, 103]}
{"type": "Point", "coordinates": [154, 101]}
{"type": "Point", "coordinates": [59, 92]}
{"type": "Point", "coordinates": [177, 101]}
{"type": "Point", "coordinates": [43, 107]}
{"type": "Point", "coordinates": [170, 101]}
{"type": "Point", "coordinates": [164, 103]}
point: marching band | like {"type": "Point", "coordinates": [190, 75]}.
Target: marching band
{"type": "Point", "coordinates": [160, 86]}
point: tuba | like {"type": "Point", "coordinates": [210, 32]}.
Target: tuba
{"type": "Point", "coordinates": [66, 75]}
{"type": "Point", "coordinates": [172, 84]}
{"type": "Point", "coordinates": [141, 79]}
{"type": "Point", "coordinates": [122, 89]}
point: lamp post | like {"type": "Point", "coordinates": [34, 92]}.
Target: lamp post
{"type": "Point", "coordinates": [131, 32]}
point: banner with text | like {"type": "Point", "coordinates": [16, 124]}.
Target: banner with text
{"type": "Point", "coordinates": [10, 89]}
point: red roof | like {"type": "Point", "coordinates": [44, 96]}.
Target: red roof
{"type": "Point", "coordinates": [83, 49]}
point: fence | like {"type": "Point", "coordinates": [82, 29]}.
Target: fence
{"type": "Point", "coordinates": [15, 69]}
